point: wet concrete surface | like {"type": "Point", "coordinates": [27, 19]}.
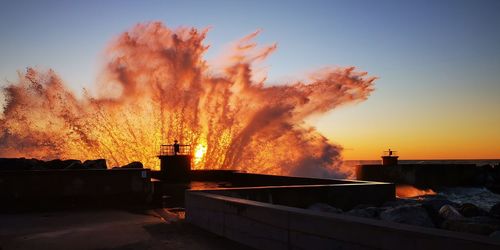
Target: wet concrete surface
{"type": "Point", "coordinates": [106, 229]}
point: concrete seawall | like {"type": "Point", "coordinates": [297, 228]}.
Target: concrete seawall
{"type": "Point", "coordinates": [341, 195]}
{"type": "Point", "coordinates": [270, 226]}
{"type": "Point", "coordinates": [52, 188]}
{"type": "Point", "coordinates": [423, 175]}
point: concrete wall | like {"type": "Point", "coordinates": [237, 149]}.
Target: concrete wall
{"type": "Point", "coordinates": [46, 188]}
{"type": "Point", "coordinates": [210, 179]}
{"type": "Point", "coordinates": [253, 180]}
{"type": "Point", "coordinates": [268, 226]}
{"type": "Point", "coordinates": [343, 196]}
{"type": "Point", "coordinates": [175, 167]}
{"type": "Point", "coordinates": [422, 175]}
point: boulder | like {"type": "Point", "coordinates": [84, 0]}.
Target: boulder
{"type": "Point", "coordinates": [448, 212]}
{"type": "Point", "coordinates": [477, 225]}
{"type": "Point", "coordinates": [493, 187]}
{"type": "Point", "coordinates": [495, 235]}
{"type": "Point", "coordinates": [95, 164]}
{"type": "Point", "coordinates": [367, 212]}
{"type": "Point", "coordinates": [19, 164]}
{"type": "Point", "coordinates": [362, 206]}
{"type": "Point", "coordinates": [135, 164]}
{"type": "Point", "coordinates": [323, 207]}
{"type": "Point", "coordinates": [470, 210]}
{"type": "Point", "coordinates": [37, 167]}
{"type": "Point", "coordinates": [411, 214]}
{"type": "Point", "coordinates": [58, 164]}
{"type": "Point", "coordinates": [433, 205]}
{"type": "Point", "coordinates": [76, 165]}
{"type": "Point", "coordinates": [399, 202]}
{"type": "Point", "coordinates": [495, 210]}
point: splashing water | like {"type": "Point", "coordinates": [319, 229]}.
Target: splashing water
{"type": "Point", "coordinates": [408, 191]}
{"type": "Point", "coordinates": [156, 87]}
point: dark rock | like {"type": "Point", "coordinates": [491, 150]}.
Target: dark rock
{"type": "Point", "coordinates": [399, 202]}
{"type": "Point", "coordinates": [412, 214]}
{"type": "Point", "coordinates": [38, 166]}
{"type": "Point", "coordinates": [367, 212]}
{"type": "Point", "coordinates": [433, 205]}
{"type": "Point", "coordinates": [493, 187]}
{"type": "Point", "coordinates": [470, 210]}
{"type": "Point", "coordinates": [135, 164]}
{"type": "Point", "coordinates": [495, 211]}
{"type": "Point", "coordinates": [76, 165]}
{"type": "Point", "coordinates": [19, 164]}
{"type": "Point", "coordinates": [476, 225]}
{"type": "Point", "coordinates": [448, 212]}
{"type": "Point", "coordinates": [495, 235]}
{"type": "Point", "coordinates": [323, 207]}
{"type": "Point", "coordinates": [58, 164]}
{"type": "Point", "coordinates": [363, 206]}
{"type": "Point", "coordinates": [95, 164]}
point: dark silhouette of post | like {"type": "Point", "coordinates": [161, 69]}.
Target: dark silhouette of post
{"type": "Point", "coordinates": [175, 161]}
{"type": "Point", "coordinates": [177, 148]}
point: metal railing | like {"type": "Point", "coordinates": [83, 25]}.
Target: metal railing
{"type": "Point", "coordinates": [170, 149]}
{"type": "Point", "coordinates": [390, 153]}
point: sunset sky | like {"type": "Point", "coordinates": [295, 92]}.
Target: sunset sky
{"type": "Point", "coordinates": [438, 96]}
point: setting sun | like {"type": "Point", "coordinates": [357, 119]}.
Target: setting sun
{"type": "Point", "coordinates": [199, 153]}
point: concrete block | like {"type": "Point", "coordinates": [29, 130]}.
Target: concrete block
{"type": "Point", "coordinates": [270, 216]}
{"type": "Point", "coordinates": [300, 240]}
{"type": "Point", "coordinates": [256, 241]}
{"type": "Point", "coordinates": [256, 228]}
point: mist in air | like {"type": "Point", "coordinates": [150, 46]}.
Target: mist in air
{"type": "Point", "coordinates": [156, 87]}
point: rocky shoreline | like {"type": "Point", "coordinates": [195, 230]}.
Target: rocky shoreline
{"type": "Point", "coordinates": [432, 211]}
{"type": "Point", "coordinates": [24, 164]}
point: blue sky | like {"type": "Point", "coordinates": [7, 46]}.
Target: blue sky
{"type": "Point", "coordinates": [438, 61]}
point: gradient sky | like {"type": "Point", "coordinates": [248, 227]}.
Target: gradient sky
{"type": "Point", "coordinates": [438, 96]}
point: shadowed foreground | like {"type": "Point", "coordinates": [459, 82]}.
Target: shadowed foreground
{"type": "Point", "coordinates": [108, 229]}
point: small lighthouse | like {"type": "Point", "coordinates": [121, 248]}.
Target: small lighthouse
{"type": "Point", "coordinates": [389, 158]}
{"type": "Point", "coordinates": [175, 161]}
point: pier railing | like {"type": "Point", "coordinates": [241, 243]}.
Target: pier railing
{"type": "Point", "coordinates": [170, 149]}
{"type": "Point", "coordinates": [390, 153]}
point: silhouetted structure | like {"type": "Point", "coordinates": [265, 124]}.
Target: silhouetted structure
{"type": "Point", "coordinates": [175, 161]}
{"type": "Point", "coordinates": [390, 158]}
{"type": "Point", "coordinates": [425, 175]}
{"type": "Point", "coordinates": [177, 148]}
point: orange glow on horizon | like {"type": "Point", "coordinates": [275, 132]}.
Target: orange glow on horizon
{"type": "Point", "coordinates": [415, 138]}
{"type": "Point", "coordinates": [407, 191]}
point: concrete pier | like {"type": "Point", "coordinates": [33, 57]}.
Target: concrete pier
{"type": "Point", "coordinates": [47, 189]}
{"type": "Point", "coordinates": [422, 175]}
{"type": "Point", "coordinates": [265, 225]}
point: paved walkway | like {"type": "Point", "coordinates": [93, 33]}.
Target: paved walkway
{"type": "Point", "coordinates": [105, 229]}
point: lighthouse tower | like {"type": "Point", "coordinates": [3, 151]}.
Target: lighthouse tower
{"type": "Point", "coordinates": [389, 158]}
{"type": "Point", "coordinates": [175, 161]}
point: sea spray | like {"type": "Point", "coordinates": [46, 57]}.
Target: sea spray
{"type": "Point", "coordinates": [156, 87]}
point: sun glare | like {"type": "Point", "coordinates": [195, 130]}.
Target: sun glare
{"type": "Point", "coordinates": [199, 153]}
